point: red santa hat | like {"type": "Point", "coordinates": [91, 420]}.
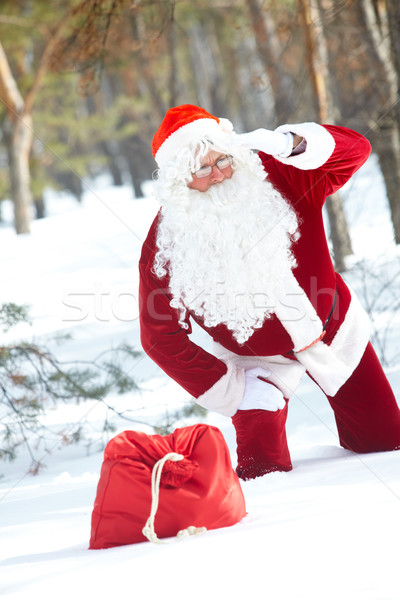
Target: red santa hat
{"type": "Point", "coordinates": [183, 124]}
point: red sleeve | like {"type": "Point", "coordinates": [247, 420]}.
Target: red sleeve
{"type": "Point", "coordinates": [168, 344]}
{"type": "Point", "coordinates": [350, 151]}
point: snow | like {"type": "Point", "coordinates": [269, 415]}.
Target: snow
{"type": "Point", "coordinates": [328, 529]}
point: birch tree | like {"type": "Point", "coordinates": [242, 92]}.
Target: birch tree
{"type": "Point", "coordinates": [18, 127]}
{"type": "Point", "coordinates": [18, 135]}
{"type": "Point", "coordinates": [318, 67]}
{"type": "Point", "coordinates": [382, 36]}
{"type": "Point", "coordinates": [269, 51]}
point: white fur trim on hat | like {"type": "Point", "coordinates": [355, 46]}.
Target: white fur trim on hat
{"type": "Point", "coordinates": [186, 134]}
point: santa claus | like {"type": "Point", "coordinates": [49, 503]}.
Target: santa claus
{"type": "Point", "coordinates": [239, 247]}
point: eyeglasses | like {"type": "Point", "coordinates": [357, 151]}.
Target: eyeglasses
{"type": "Point", "coordinates": [222, 163]}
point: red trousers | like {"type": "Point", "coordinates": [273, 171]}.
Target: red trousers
{"type": "Point", "coordinates": [366, 413]}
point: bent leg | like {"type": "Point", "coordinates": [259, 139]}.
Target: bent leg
{"type": "Point", "coordinates": [366, 411]}
{"type": "Point", "coordinates": [261, 442]}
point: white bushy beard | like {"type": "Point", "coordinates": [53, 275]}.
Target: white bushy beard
{"type": "Point", "coordinates": [227, 250]}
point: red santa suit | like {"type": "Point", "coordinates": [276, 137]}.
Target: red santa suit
{"type": "Point", "coordinates": [319, 306]}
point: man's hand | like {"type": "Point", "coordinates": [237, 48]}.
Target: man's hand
{"type": "Point", "coordinates": [270, 142]}
{"type": "Point", "coordinates": [259, 394]}
{"type": "Point", "coordinates": [297, 139]}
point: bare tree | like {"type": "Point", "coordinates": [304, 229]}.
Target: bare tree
{"type": "Point", "coordinates": [171, 42]}
{"type": "Point", "coordinates": [393, 25]}
{"type": "Point", "coordinates": [18, 135]}
{"type": "Point", "coordinates": [318, 67]}
{"type": "Point", "coordinates": [382, 37]}
{"type": "Point", "coordinates": [269, 51]}
{"type": "Point", "coordinates": [18, 127]}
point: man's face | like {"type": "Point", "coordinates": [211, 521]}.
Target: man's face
{"type": "Point", "coordinates": [217, 175]}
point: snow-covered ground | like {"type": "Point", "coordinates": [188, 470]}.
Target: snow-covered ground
{"type": "Point", "coordinates": [329, 529]}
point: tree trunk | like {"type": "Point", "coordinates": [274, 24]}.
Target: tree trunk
{"type": "Point", "coordinates": [383, 44]}
{"type": "Point", "coordinates": [18, 130]}
{"type": "Point", "coordinates": [145, 67]}
{"type": "Point", "coordinates": [204, 50]}
{"type": "Point", "coordinates": [318, 67]}
{"type": "Point", "coordinates": [171, 41]}
{"type": "Point", "coordinates": [386, 144]}
{"type": "Point", "coordinates": [139, 160]}
{"type": "Point", "coordinates": [113, 162]}
{"type": "Point", "coordinates": [19, 136]}
{"type": "Point", "coordinates": [393, 20]}
{"type": "Point", "coordinates": [338, 231]}
{"type": "Point", "coordinates": [40, 208]}
{"type": "Point", "coordinates": [268, 48]}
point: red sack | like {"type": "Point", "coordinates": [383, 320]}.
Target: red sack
{"type": "Point", "coordinates": [202, 490]}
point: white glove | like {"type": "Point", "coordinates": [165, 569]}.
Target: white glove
{"type": "Point", "coordinates": [260, 394]}
{"type": "Point", "coordinates": [275, 143]}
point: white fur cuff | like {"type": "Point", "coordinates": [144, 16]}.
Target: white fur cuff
{"type": "Point", "coordinates": [320, 146]}
{"type": "Point", "coordinates": [226, 394]}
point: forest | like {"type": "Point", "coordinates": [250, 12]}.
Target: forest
{"type": "Point", "coordinates": [84, 85]}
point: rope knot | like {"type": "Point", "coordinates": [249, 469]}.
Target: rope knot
{"type": "Point", "coordinates": [175, 479]}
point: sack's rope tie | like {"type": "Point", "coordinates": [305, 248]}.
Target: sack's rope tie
{"type": "Point", "coordinates": [148, 529]}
